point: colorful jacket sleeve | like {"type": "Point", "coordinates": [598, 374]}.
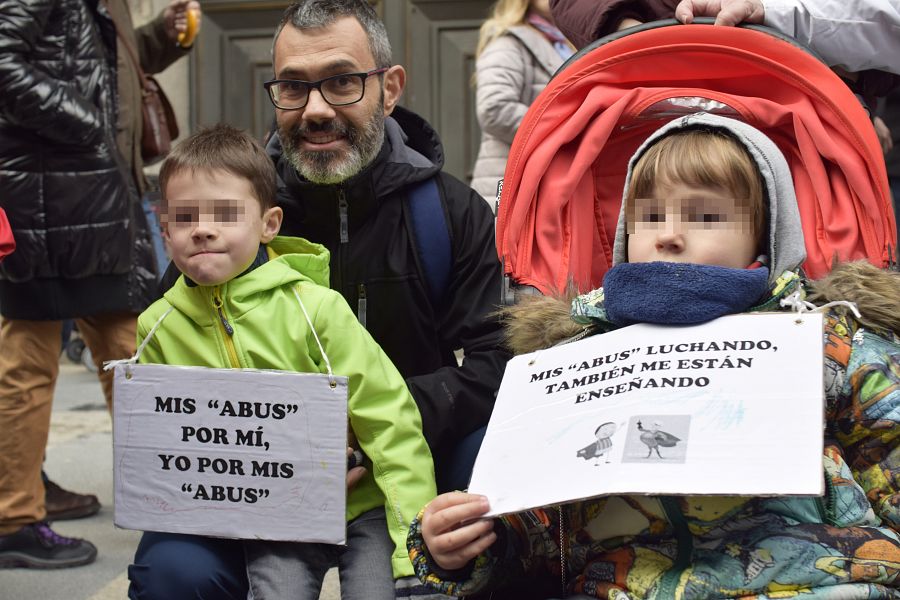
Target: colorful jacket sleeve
{"type": "Point", "coordinates": [384, 417]}
{"type": "Point", "coordinates": [863, 378]}
{"type": "Point", "coordinates": [527, 546]}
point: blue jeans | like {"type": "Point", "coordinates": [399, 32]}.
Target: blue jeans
{"type": "Point", "coordinates": [169, 566]}
{"type": "Point", "coordinates": [187, 567]}
{"type": "Point", "coordinates": [288, 570]}
{"type": "Point", "coordinates": [455, 473]}
{"type": "Point", "coordinates": [159, 249]}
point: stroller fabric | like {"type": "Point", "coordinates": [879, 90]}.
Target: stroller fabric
{"type": "Point", "coordinates": [563, 183]}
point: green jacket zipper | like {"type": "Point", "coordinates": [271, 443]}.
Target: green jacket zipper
{"type": "Point", "coordinates": [668, 583]}
{"type": "Point", "coordinates": [219, 305]}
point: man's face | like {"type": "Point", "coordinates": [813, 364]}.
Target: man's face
{"type": "Point", "coordinates": [328, 144]}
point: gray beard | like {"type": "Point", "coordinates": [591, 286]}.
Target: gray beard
{"type": "Point", "coordinates": [332, 167]}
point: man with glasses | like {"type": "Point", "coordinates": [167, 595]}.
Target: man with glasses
{"type": "Point", "coordinates": [348, 158]}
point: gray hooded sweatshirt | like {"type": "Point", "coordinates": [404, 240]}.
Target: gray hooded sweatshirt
{"type": "Point", "coordinates": [786, 248]}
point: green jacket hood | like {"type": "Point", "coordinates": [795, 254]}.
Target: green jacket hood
{"type": "Point", "coordinates": [307, 258]}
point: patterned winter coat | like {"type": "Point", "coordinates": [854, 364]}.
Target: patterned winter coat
{"type": "Point", "coordinates": [844, 545]}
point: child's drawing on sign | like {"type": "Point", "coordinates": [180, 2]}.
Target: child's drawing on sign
{"type": "Point", "coordinates": [655, 438]}
{"type": "Point", "coordinates": [602, 446]}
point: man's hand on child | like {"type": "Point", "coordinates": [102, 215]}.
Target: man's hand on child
{"type": "Point", "coordinates": [452, 536]}
{"type": "Point", "coordinates": [726, 12]}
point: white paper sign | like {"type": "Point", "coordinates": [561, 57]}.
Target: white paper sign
{"type": "Point", "coordinates": [733, 406]}
{"type": "Point", "coordinates": [230, 453]}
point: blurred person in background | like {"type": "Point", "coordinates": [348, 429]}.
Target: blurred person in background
{"type": "Point", "coordinates": [70, 131]}
{"type": "Point", "coordinates": [519, 50]}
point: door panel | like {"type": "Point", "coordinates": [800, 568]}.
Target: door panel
{"type": "Point", "coordinates": [435, 40]}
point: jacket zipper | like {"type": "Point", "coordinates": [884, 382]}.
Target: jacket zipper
{"type": "Point", "coordinates": [344, 231]}
{"type": "Point", "coordinates": [345, 219]}
{"type": "Point", "coordinates": [668, 583]}
{"type": "Point", "coordinates": [828, 508]}
{"type": "Point", "coordinates": [361, 304]}
{"type": "Point", "coordinates": [219, 305]}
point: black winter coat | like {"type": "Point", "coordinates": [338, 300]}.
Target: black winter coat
{"type": "Point", "coordinates": [82, 241]}
{"type": "Point", "coordinates": [377, 260]}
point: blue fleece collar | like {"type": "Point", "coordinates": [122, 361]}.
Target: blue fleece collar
{"type": "Point", "coordinates": [673, 293]}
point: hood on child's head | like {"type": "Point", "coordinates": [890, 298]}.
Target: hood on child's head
{"type": "Point", "coordinates": [786, 250]}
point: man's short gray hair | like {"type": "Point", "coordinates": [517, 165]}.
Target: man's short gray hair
{"type": "Point", "coordinates": [314, 14]}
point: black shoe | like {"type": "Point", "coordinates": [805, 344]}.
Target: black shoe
{"type": "Point", "coordinates": [36, 546]}
{"type": "Point", "coordinates": [62, 504]}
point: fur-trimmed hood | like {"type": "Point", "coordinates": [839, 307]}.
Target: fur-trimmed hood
{"type": "Point", "coordinates": [538, 322]}
{"type": "Point", "coordinates": [875, 292]}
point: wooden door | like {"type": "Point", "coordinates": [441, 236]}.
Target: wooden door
{"type": "Point", "coordinates": [434, 39]}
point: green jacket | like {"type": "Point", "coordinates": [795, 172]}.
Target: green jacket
{"type": "Point", "coordinates": [271, 332]}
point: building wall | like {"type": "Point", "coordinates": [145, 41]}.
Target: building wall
{"type": "Point", "coordinates": [434, 39]}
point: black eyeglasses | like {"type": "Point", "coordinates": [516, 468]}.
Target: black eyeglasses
{"type": "Point", "coordinates": [337, 90]}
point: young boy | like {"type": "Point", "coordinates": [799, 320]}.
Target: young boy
{"type": "Point", "coordinates": [709, 226]}
{"type": "Point", "coordinates": [235, 307]}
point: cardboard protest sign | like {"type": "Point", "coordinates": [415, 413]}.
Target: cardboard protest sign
{"type": "Point", "coordinates": [733, 406]}
{"type": "Point", "coordinates": [230, 453]}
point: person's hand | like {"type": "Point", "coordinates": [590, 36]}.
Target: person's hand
{"type": "Point", "coordinates": [884, 135]}
{"type": "Point", "coordinates": [176, 19]}
{"type": "Point", "coordinates": [451, 535]}
{"type": "Point", "coordinates": [726, 12]}
{"type": "Point", "coordinates": [354, 474]}
{"type": "Point", "coordinates": [628, 22]}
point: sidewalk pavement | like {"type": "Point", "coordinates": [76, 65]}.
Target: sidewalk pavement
{"type": "Point", "coordinates": [79, 458]}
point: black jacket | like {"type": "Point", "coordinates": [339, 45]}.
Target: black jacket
{"type": "Point", "coordinates": [378, 260]}
{"type": "Point", "coordinates": [82, 241]}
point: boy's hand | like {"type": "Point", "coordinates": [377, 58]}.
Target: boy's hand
{"type": "Point", "coordinates": [355, 472]}
{"type": "Point", "coordinates": [451, 538]}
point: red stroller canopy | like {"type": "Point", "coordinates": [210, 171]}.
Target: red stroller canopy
{"type": "Point", "coordinates": [563, 183]}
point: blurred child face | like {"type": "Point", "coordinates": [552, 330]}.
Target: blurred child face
{"type": "Point", "coordinates": [213, 224]}
{"type": "Point", "coordinates": [691, 224]}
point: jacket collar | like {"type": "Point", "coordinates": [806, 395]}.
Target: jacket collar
{"type": "Point", "coordinates": [538, 46]}
{"type": "Point", "coordinates": [411, 152]}
{"type": "Point", "coordinates": [290, 261]}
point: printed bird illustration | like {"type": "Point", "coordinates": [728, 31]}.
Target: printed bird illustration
{"type": "Point", "coordinates": [654, 438]}
{"type": "Point", "coordinates": [602, 446]}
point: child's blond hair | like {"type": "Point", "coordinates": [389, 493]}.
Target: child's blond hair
{"type": "Point", "coordinates": [701, 157]}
